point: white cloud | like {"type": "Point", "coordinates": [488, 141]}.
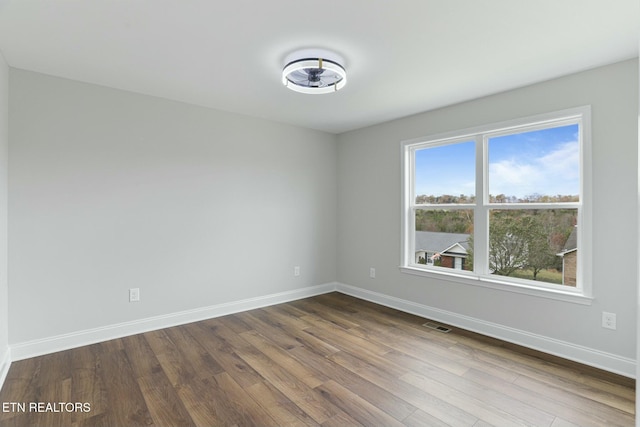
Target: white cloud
{"type": "Point", "coordinates": [553, 173]}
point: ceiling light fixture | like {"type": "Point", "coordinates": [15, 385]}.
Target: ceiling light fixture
{"type": "Point", "coordinates": [314, 71]}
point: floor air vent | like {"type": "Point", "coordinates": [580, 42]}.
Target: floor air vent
{"type": "Point", "coordinates": [437, 327]}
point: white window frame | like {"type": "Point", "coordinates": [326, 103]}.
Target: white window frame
{"type": "Point", "coordinates": [582, 292]}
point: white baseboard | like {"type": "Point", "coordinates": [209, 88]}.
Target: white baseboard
{"type": "Point", "coordinates": [5, 364]}
{"type": "Point", "coordinates": [53, 344]}
{"type": "Point", "coordinates": [599, 359]}
{"type": "Point", "coordinates": [588, 356]}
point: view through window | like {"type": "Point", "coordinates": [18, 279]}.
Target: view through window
{"type": "Point", "coordinates": [502, 202]}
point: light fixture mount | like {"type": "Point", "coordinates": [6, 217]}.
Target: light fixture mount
{"type": "Point", "coordinates": [314, 71]}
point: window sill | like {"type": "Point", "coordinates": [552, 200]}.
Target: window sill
{"type": "Point", "coordinates": [490, 282]}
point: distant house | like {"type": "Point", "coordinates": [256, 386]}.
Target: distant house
{"type": "Point", "coordinates": [442, 249]}
{"type": "Point", "coordinates": [569, 256]}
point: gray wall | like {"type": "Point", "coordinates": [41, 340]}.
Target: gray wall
{"type": "Point", "coordinates": [4, 146]}
{"type": "Point", "coordinates": [111, 190]}
{"type": "Point", "coordinates": [369, 211]}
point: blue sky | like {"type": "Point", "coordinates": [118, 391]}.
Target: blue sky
{"type": "Point", "coordinates": [545, 162]}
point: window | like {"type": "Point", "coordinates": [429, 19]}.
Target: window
{"type": "Point", "coordinates": [502, 205]}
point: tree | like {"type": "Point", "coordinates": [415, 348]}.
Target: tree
{"type": "Point", "coordinates": [541, 254]}
{"type": "Point", "coordinates": [553, 228]}
{"type": "Point", "coordinates": [527, 239]}
{"type": "Point", "coordinates": [509, 236]}
{"type": "Point", "coordinates": [445, 221]}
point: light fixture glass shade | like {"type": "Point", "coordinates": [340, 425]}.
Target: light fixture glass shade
{"type": "Point", "coordinates": [314, 75]}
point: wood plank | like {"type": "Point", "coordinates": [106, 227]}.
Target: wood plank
{"type": "Point", "coordinates": [574, 413]}
{"type": "Point", "coordinates": [472, 404]}
{"type": "Point", "coordinates": [345, 341]}
{"type": "Point", "coordinates": [119, 381]}
{"type": "Point", "coordinates": [357, 407]}
{"type": "Point", "coordinates": [163, 402]}
{"type": "Point", "coordinates": [341, 420]}
{"type": "Point", "coordinates": [271, 328]}
{"type": "Point", "coordinates": [279, 407]}
{"type": "Point", "coordinates": [559, 422]}
{"type": "Point", "coordinates": [422, 419]}
{"type": "Point", "coordinates": [542, 370]}
{"type": "Point", "coordinates": [429, 403]}
{"type": "Point", "coordinates": [200, 398]}
{"type": "Point", "coordinates": [142, 359]}
{"type": "Point", "coordinates": [246, 409]}
{"type": "Point", "coordinates": [308, 399]}
{"type": "Point", "coordinates": [587, 373]}
{"type": "Point", "coordinates": [504, 401]}
{"type": "Point", "coordinates": [20, 387]}
{"type": "Point", "coordinates": [329, 314]}
{"type": "Point", "coordinates": [224, 354]}
{"type": "Point", "coordinates": [87, 384]}
{"type": "Point", "coordinates": [170, 358]}
{"type": "Point", "coordinates": [376, 395]}
{"type": "Point", "coordinates": [284, 359]}
{"type": "Point", "coordinates": [192, 352]}
{"type": "Point", "coordinates": [595, 410]}
{"type": "Point", "coordinates": [420, 349]}
{"type": "Point", "coordinates": [55, 371]}
{"type": "Point", "coordinates": [330, 360]}
{"type": "Point", "coordinates": [295, 327]}
{"type": "Point", "coordinates": [235, 323]}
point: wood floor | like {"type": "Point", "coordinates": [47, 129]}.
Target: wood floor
{"type": "Point", "coordinates": [330, 360]}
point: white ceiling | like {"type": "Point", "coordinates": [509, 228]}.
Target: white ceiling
{"type": "Point", "coordinates": [402, 56]}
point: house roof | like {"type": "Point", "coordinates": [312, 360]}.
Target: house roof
{"type": "Point", "coordinates": [572, 241]}
{"type": "Point", "coordinates": [432, 241]}
{"type": "Point", "coordinates": [571, 244]}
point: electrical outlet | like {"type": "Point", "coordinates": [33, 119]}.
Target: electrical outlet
{"type": "Point", "coordinates": [134, 294]}
{"type": "Point", "coordinates": [296, 271]}
{"type": "Point", "coordinates": [372, 273]}
{"type": "Point", "coordinates": [608, 320]}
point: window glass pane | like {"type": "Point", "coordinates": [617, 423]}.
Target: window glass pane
{"type": "Point", "coordinates": [538, 244]}
{"type": "Point", "coordinates": [535, 166]}
{"type": "Point", "coordinates": [443, 238]}
{"type": "Point", "coordinates": [445, 174]}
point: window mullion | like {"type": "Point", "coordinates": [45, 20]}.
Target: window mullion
{"type": "Point", "coordinates": [480, 230]}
